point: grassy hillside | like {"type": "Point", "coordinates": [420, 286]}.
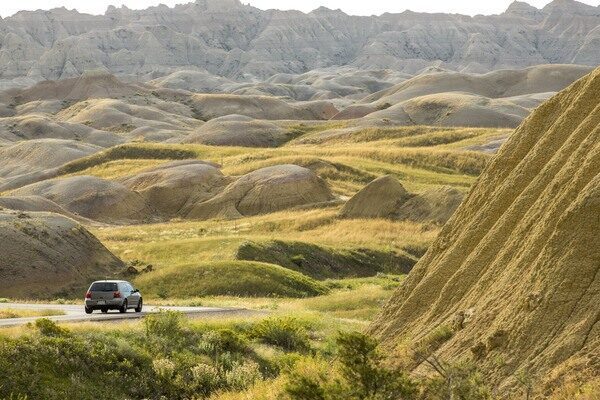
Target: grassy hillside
{"type": "Point", "coordinates": [296, 248]}
{"type": "Point", "coordinates": [234, 278]}
{"type": "Point", "coordinates": [313, 242]}
{"type": "Point", "coordinates": [420, 156]}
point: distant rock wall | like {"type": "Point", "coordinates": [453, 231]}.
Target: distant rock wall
{"type": "Point", "coordinates": [227, 38]}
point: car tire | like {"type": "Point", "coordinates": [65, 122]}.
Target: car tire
{"type": "Point", "coordinates": [123, 308]}
{"type": "Point", "coordinates": [104, 310]}
{"type": "Point", "coordinates": [139, 306]}
{"type": "Point", "coordinates": [89, 310]}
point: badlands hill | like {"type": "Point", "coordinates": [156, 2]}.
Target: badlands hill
{"type": "Point", "coordinates": [46, 255]}
{"type": "Point", "coordinates": [385, 197]}
{"type": "Point", "coordinates": [100, 109]}
{"type": "Point", "coordinates": [190, 189]}
{"type": "Point", "coordinates": [229, 39]}
{"type": "Point", "coordinates": [515, 272]}
{"type": "Point", "coordinates": [446, 98]}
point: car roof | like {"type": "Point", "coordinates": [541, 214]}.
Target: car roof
{"type": "Point", "coordinates": [110, 281]}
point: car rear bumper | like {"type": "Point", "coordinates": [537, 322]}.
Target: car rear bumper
{"type": "Point", "coordinates": [99, 304]}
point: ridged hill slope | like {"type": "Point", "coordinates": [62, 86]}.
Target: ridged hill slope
{"type": "Point", "coordinates": [516, 271]}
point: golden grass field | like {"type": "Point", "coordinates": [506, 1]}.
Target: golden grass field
{"type": "Point", "coordinates": [420, 157]}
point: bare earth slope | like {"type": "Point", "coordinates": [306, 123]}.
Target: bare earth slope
{"type": "Point", "coordinates": [265, 190]}
{"type": "Point", "coordinates": [92, 197]}
{"type": "Point", "coordinates": [46, 255]}
{"type": "Point", "coordinates": [446, 98]}
{"type": "Point", "coordinates": [516, 271]}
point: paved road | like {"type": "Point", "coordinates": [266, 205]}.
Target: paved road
{"type": "Point", "coordinates": [75, 313]}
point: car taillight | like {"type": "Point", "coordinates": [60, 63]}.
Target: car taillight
{"type": "Point", "coordinates": [116, 295]}
{"type": "Point", "coordinates": [88, 295]}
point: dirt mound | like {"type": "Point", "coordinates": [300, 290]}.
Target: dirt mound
{"type": "Point", "coordinates": [496, 84]}
{"type": "Point", "coordinates": [379, 199]}
{"type": "Point", "coordinates": [516, 272]}
{"type": "Point", "coordinates": [194, 81]}
{"type": "Point", "coordinates": [175, 185]}
{"type": "Point", "coordinates": [238, 130]}
{"type": "Point", "coordinates": [46, 255]}
{"type": "Point", "coordinates": [356, 111]}
{"type": "Point", "coordinates": [209, 106]}
{"type": "Point", "coordinates": [156, 120]}
{"type": "Point", "coordinates": [34, 204]}
{"type": "Point", "coordinates": [90, 85]}
{"type": "Point", "coordinates": [34, 160]}
{"type": "Point", "coordinates": [37, 155]}
{"type": "Point", "coordinates": [214, 278]}
{"type": "Point", "coordinates": [385, 197]}
{"type": "Point", "coordinates": [434, 205]}
{"type": "Point", "coordinates": [263, 191]}
{"type": "Point", "coordinates": [501, 98]}
{"type": "Point", "coordinates": [39, 126]}
{"type": "Point", "coordinates": [455, 109]}
{"type": "Point", "coordinates": [92, 197]}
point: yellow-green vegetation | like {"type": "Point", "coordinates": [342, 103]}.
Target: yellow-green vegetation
{"type": "Point", "coordinates": [165, 356]}
{"type": "Point", "coordinates": [119, 168]}
{"type": "Point", "coordinates": [171, 242]}
{"type": "Point", "coordinates": [313, 242]}
{"type": "Point", "coordinates": [404, 136]}
{"type": "Point", "coordinates": [238, 278]}
{"type": "Point", "coordinates": [355, 300]}
{"type": "Point", "coordinates": [23, 313]}
{"type": "Point", "coordinates": [268, 357]}
{"type": "Point", "coordinates": [290, 253]}
{"type": "Point", "coordinates": [347, 158]}
{"type": "Point", "coordinates": [322, 262]}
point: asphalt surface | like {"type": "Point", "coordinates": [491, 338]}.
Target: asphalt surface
{"type": "Point", "coordinates": [75, 313]}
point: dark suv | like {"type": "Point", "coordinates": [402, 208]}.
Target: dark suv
{"type": "Point", "coordinates": [112, 295]}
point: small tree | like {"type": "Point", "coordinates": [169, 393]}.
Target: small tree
{"type": "Point", "coordinates": [459, 381]}
{"type": "Point", "coordinates": [361, 366]}
{"type": "Point", "coordinates": [358, 374]}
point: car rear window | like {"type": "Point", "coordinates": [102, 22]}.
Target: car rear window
{"type": "Point", "coordinates": [104, 287]}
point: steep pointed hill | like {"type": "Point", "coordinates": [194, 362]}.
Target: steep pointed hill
{"type": "Point", "coordinates": [516, 271]}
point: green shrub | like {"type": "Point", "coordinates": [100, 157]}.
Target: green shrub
{"type": "Point", "coordinates": [309, 379]}
{"type": "Point", "coordinates": [164, 323]}
{"type": "Point", "coordinates": [164, 368]}
{"type": "Point", "coordinates": [49, 328]}
{"type": "Point", "coordinates": [285, 332]}
{"type": "Point", "coordinates": [225, 340]}
{"type": "Point", "coordinates": [461, 381]}
{"type": "Point", "coordinates": [242, 375]}
{"type": "Point", "coordinates": [54, 367]}
{"type": "Point", "coordinates": [13, 396]}
{"type": "Point", "coordinates": [359, 373]}
{"type": "Point", "coordinates": [164, 332]}
{"type": "Point", "coordinates": [205, 378]}
{"type": "Point", "coordinates": [361, 366]}
{"type": "Point", "coordinates": [303, 387]}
